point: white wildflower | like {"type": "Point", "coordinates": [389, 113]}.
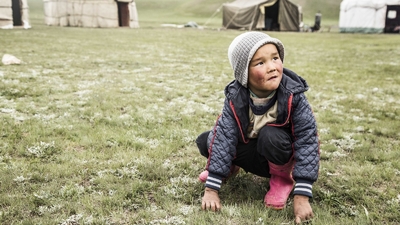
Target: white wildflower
{"type": "Point", "coordinates": [6, 110]}
{"type": "Point", "coordinates": [42, 195]}
{"type": "Point", "coordinates": [72, 220]}
{"type": "Point", "coordinates": [186, 209]}
{"type": "Point", "coordinates": [40, 150]}
{"type": "Point", "coordinates": [111, 192]}
{"type": "Point", "coordinates": [169, 220]}
{"type": "Point", "coordinates": [21, 179]}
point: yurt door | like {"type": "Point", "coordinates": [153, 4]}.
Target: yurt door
{"type": "Point", "coordinates": [123, 14]}
{"type": "Point", "coordinates": [271, 17]}
{"type": "Point", "coordinates": [392, 23]}
{"type": "Point", "coordinates": [16, 9]}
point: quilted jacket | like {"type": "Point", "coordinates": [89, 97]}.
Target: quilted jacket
{"type": "Point", "coordinates": [294, 111]}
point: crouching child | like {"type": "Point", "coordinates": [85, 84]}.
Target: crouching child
{"type": "Point", "coordinates": [266, 127]}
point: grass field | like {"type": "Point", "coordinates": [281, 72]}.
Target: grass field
{"type": "Point", "coordinates": [98, 125]}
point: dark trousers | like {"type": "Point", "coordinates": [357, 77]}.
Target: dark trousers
{"type": "Point", "coordinates": [273, 144]}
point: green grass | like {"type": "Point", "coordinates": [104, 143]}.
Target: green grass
{"type": "Point", "coordinates": [98, 125]}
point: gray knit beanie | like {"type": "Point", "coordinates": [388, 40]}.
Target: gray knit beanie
{"type": "Point", "coordinates": [242, 49]}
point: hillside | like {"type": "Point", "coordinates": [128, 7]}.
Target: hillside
{"type": "Point", "coordinates": [167, 11]}
{"type": "Point", "coordinates": [155, 12]}
{"type": "Point", "coordinates": [329, 8]}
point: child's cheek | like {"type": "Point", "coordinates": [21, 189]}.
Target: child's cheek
{"type": "Point", "coordinates": [259, 76]}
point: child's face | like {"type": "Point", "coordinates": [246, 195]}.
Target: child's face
{"type": "Point", "coordinates": [265, 71]}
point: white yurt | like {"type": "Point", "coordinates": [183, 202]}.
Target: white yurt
{"type": "Point", "coordinates": [369, 16]}
{"type": "Point", "coordinates": [91, 13]}
{"type": "Point", "coordinates": [14, 13]}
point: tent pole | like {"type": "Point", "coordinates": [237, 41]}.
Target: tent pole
{"type": "Point", "coordinates": [230, 21]}
{"type": "Point", "coordinates": [212, 16]}
{"type": "Point", "coordinates": [254, 16]}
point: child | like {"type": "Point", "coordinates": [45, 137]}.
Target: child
{"type": "Point", "coordinates": [267, 128]}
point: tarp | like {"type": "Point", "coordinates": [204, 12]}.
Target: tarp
{"type": "Point", "coordinates": [6, 14]}
{"type": "Point", "coordinates": [90, 13]}
{"type": "Point", "coordinates": [364, 16]}
{"type": "Point", "coordinates": [252, 14]}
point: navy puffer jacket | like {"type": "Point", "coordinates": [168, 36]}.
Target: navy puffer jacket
{"type": "Point", "coordinates": [294, 112]}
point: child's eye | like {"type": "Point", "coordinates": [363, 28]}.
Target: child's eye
{"type": "Point", "coordinates": [276, 58]}
{"type": "Point", "coordinates": [259, 63]}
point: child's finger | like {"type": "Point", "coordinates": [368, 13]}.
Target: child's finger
{"type": "Point", "coordinates": [218, 207]}
{"type": "Point", "coordinates": [215, 206]}
{"type": "Point", "coordinates": [204, 205]}
{"type": "Point", "coordinates": [297, 220]}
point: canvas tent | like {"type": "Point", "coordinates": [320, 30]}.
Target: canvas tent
{"type": "Point", "coordinates": [14, 13]}
{"type": "Point", "coordinates": [91, 13]}
{"type": "Point", "coordinates": [282, 15]}
{"type": "Point", "coordinates": [369, 16]}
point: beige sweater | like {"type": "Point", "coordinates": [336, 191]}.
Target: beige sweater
{"type": "Point", "coordinates": [258, 121]}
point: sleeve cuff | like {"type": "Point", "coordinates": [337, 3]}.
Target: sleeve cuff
{"type": "Point", "coordinates": [214, 181]}
{"type": "Point", "coordinates": [303, 187]}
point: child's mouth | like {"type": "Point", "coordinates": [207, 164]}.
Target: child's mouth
{"type": "Point", "coordinates": [273, 77]}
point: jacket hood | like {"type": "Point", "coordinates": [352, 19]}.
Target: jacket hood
{"type": "Point", "coordinates": [292, 82]}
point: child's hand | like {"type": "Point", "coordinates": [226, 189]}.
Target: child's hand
{"type": "Point", "coordinates": [211, 200]}
{"type": "Point", "coordinates": [302, 209]}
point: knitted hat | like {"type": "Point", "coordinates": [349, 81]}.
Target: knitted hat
{"type": "Point", "coordinates": [242, 49]}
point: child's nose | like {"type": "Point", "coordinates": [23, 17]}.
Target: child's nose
{"type": "Point", "coordinates": [270, 66]}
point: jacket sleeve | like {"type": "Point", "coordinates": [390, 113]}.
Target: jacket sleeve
{"type": "Point", "coordinates": [222, 147]}
{"type": "Point", "coordinates": [306, 146]}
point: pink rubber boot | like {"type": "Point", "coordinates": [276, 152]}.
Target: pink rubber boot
{"type": "Point", "coordinates": [234, 171]}
{"type": "Point", "coordinates": [280, 185]}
